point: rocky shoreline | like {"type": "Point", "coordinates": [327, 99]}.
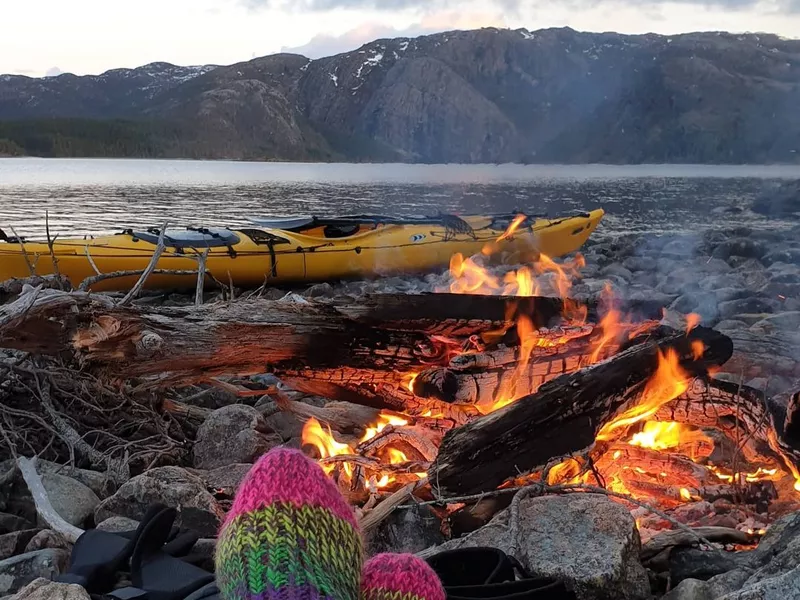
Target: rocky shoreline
{"type": "Point", "coordinates": [743, 282]}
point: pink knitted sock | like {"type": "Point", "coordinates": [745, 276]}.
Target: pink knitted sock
{"type": "Point", "coordinates": [290, 535]}
{"type": "Point", "coordinates": [399, 577]}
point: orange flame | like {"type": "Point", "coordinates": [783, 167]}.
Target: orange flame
{"type": "Point", "coordinates": [698, 349]}
{"type": "Point", "coordinates": [692, 321]}
{"type": "Point", "coordinates": [313, 434]}
{"type": "Point", "coordinates": [384, 420]}
{"type": "Point", "coordinates": [492, 247]}
{"type": "Point", "coordinates": [668, 382]}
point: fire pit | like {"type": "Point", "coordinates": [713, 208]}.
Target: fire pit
{"type": "Point", "coordinates": [571, 395]}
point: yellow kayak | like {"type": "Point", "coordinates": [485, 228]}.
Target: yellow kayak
{"type": "Point", "coordinates": [296, 250]}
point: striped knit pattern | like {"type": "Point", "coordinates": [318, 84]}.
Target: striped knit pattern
{"type": "Point", "coordinates": [399, 577]}
{"type": "Point", "coordinates": [289, 535]}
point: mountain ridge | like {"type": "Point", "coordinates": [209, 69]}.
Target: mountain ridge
{"type": "Point", "coordinates": [485, 95]}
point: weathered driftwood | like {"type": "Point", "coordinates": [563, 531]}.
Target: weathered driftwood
{"type": "Point", "coordinates": [564, 417]}
{"type": "Point", "coordinates": [343, 417]}
{"type": "Point", "coordinates": [359, 351]}
{"type": "Point", "coordinates": [44, 508]}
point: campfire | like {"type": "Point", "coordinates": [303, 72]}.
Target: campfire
{"type": "Point", "coordinates": [500, 380]}
{"type": "Point", "coordinates": [569, 394]}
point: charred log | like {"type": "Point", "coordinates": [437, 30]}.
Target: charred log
{"type": "Point", "coordinates": [747, 416]}
{"type": "Point", "coordinates": [563, 417]}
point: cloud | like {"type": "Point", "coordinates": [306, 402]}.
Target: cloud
{"type": "Point", "coordinates": [53, 72]}
{"type": "Point", "coordinates": [324, 44]}
{"type": "Point", "coordinates": [512, 7]}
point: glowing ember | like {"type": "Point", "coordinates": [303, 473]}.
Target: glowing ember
{"type": "Point", "coordinates": [658, 436]}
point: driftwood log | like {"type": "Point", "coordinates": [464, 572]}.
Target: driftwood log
{"type": "Point", "coordinates": [358, 351]}
{"type": "Point", "coordinates": [563, 418]}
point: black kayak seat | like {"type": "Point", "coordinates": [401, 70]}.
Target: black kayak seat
{"type": "Point", "coordinates": [286, 223]}
{"type": "Point", "coordinates": [190, 238]}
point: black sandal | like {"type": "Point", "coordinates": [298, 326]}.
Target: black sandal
{"type": "Point", "coordinates": [484, 573]}
{"type": "Point", "coordinates": [98, 556]}
{"type": "Point", "coordinates": [156, 572]}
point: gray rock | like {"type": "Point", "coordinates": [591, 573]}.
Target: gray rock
{"type": "Point", "coordinates": [47, 538]}
{"type": "Point", "coordinates": [227, 479]}
{"type": "Point", "coordinates": [173, 487]}
{"type": "Point", "coordinates": [284, 424]}
{"type": "Point", "coordinates": [745, 247]}
{"type": "Point", "coordinates": [411, 530]}
{"type": "Point", "coordinates": [42, 589]}
{"type": "Point", "coordinates": [680, 281]}
{"type": "Point", "coordinates": [640, 263]}
{"type": "Point", "coordinates": [713, 589]}
{"type": "Point", "coordinates": [727, 294]}
{"type": "Point", "coordinates": [233, 434]}
{"type": "Point", "coordinates": [711, 283]}
{"type": "Point", "coordinates": [780, 536]}
{"type": "Point", "coordinates": [701, 303]}
{"type": "Point", "coordinates": [19, 571]}
{"type": "Point", "coordinates": [731, 325]}
{"type": "Point", "coordinates": [10, 523]}
{"type": "Point", "coordinates": [72, 500]}
{"type": "Point", "coordinates": [205, 549]}
{"type": "Point", "coordinates": [790, 256]}
{"type": "Point", "coordinates": [753, 305]}
{"type": "Point", "coordinates": [99, 483]}
{"type": "Point", "coordinates": [319, 290]}
{"type": "Point", "coordinates": [784, 320]}
{"type": "Point", "coordinates": [744, 265]}
{"type": "Point", "coordinates": [693, 563]}
{"type": "Point", "coordinates": [786, 277]}
{"type": "Point", "coordinates": [14, 543]}
{"type": "Point", "coordinates": [782, 587]}
{"type": "Point", "coordinates": [586, 539]}
{"type": "Point", "coordinates": [647, 279]}
{"type": "Point", "coordinates": [118, 524]}
{"type": "Point", "coordinates": [617, 271]}
{"type": "Point", "coordinates": [714, 266]}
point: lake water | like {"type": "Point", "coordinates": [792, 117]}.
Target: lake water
{"type": "Point", "coordinates": [92, 196]}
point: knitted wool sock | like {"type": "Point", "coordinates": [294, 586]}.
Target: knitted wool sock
{"type": "Point", "coordinates": [399, 577]}
{"type": "Point", "coordinates": [290, 535]}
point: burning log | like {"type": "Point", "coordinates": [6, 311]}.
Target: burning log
{"type": "Point", "coordinates": [756, 424]}
{"type": "Point", "coordinates": [480, 379]}
{"type": "Point", "coordinates": [566, 415]}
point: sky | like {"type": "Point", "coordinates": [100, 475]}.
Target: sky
{"type": "Point", "coordinates": [49, 37]}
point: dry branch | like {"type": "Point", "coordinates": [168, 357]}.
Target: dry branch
{"type": "Point", "coordinates": [137, 287]}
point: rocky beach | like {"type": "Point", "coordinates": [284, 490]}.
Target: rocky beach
{"type": "Point", "coordinates": [189, 446]}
